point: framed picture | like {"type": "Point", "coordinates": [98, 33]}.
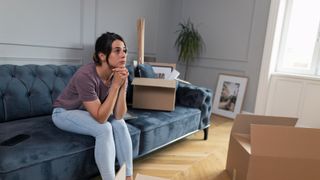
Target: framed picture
{"type": "Point", "coordinates": [229, 95]}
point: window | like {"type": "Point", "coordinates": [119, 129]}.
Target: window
{"type": "Point", "coordinates": [299, 43]}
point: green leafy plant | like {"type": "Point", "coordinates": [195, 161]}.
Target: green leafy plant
{"type": "Point", "coordinates": [189, 43]}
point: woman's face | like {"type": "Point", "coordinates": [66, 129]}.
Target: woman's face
{"type": "Point", "coordinates": [118, 55]}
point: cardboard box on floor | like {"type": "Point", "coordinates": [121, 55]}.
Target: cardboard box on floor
{"type": "Point", "coordinates": [271, 148]}
{"type": "Point", "coordinates": [155, 94]}
{"type": "Point", "coordinates": [121, 175]}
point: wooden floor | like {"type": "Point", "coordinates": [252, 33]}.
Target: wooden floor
{"type": "Point", "coordinates": [191, 158]}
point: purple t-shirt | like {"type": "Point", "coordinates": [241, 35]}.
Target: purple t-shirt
{"type": "Point", "coordinates": [85, 85]}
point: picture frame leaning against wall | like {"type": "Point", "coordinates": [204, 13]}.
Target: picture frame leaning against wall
{"type": "Point", "coordinates": [229, 95]}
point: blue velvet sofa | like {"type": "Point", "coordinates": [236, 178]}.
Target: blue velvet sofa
{"type": "Point", "coordinates": [32, 148]}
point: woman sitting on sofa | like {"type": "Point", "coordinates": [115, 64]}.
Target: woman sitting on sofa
{"type": "Point", "coordinates": [94, 103]}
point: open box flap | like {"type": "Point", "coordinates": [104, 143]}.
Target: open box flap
{"type": "Point", "coordinates": [172, 65]}
{"type": "Point", "coordinates": [154, 82]}
{"type": "Point", "coordinates": [243, 140]}
{"type": "Point", "coordinates": [282, 141]}
{"type": "Point", "coordinates": [242, 122]}
{"type": "Point", "coordinates": [121, 174]}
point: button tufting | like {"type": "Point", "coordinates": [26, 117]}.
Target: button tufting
{"type": "Point", "coordinates": [29, 94]}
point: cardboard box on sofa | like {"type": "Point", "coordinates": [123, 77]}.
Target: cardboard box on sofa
{"type": "Point", "coordinates": [159, 64]}
{"type": "Point", "coordinates": [269, 147]}
{"type": "Point", "coordinates": [155, 94]}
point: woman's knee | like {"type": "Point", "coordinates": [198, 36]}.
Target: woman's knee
{"type": "Point", "coordinates": [120, 125]}
{"type": "Point", "coordinates": [104, 129]}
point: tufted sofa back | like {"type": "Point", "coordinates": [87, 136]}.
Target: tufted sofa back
{"type": "Point", "coordinates": [29, 90]}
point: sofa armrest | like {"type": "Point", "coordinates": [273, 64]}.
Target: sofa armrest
{"type": "Point", "coordinates": [196, 97]}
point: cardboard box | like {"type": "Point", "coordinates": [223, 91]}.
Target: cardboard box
{"type": "Point", "coordinates": [121, 175]}
{"type": "Point", "coordinates": [162, 64]}
{"type": "Point", "coordinates": [271, 148]}
{"type": "Point", "coordinates": [155, 94]}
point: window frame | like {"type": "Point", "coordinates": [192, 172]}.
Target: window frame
{"type": "Point", "coordinates": [315, 63]}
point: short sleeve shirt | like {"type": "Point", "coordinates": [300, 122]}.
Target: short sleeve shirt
{"type": "Point", "coordinates": [85, 85]}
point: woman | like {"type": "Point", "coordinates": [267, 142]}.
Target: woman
{"type": "Point", "coordinates": [94, 103]}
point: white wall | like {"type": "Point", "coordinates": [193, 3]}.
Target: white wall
{"type": "Point", "coordinates": [295, 96]}
{"type": "Point", "coordinates": [285, 94]}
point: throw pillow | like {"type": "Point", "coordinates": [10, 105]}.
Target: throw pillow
{"type": "Point", "coordinates": [146, 71]}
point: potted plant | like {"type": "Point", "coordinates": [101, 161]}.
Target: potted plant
{"type": "Point", "coordinates": [189, 43]}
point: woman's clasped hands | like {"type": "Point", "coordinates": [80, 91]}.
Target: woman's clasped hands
{"type": "Point", "coordinates": [120, 75]}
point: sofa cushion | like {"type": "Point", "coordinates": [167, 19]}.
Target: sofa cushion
{"type": "Point", "coordinates": [160, 127]}
{"type": "Point", "coordinates": [47, 144]}
{"type": "Point", "coordinates": [29, 90]}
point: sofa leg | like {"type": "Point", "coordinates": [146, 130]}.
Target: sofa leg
{"type": "Point", "coordinates": [206, 132]}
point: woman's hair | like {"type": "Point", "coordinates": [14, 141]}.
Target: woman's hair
{"type": "Point", "coordinates": [104, 45]}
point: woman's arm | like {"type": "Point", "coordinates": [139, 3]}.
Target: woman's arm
{"type": "Point", "coordinates": [121, 104]}
{"type": "Point", "coordinates": [115, 101]}
{"type": "Point", "coordinates": [101, 112]}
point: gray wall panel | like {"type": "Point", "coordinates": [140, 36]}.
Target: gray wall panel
{"type": "Point", "coordinates": [65, 31]}
{"type": "Point", "coordinates": [112, 15]}
{"type": "Point", "coordinates": [225, 26]}
{"type": "Point", "coordinates": [234, 32]}
{"type": "Point", "coordinates": [37, 23]}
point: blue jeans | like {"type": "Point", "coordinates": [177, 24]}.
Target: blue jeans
{"type": "Point", "coordinates": [112, 138]}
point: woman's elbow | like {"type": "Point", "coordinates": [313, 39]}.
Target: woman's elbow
{"type": "Point", "coordinates": [119, 114]}
{"type": "Point", "coordinates": [118, 117]}
{"type": "Point", "coordinates": [101, 119]}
